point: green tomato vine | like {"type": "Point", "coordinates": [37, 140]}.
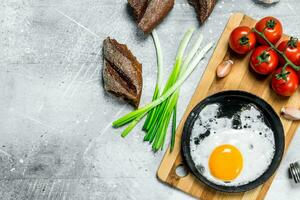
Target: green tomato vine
{"type": "Point", "coordinates": [280, 53]}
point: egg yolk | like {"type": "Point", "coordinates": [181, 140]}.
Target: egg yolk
{"type": "Point", "coordinates": [225, 162]}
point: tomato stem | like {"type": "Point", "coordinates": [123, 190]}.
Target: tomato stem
{"type": "Point", "coordinates": [244, 40]}
{"type": "Point", "coordinates": [292, 43]}
{"type": "Point", "coordinates": [271, 24]}
{"type": "Point", "coordinates": [283, 74]}
{"type": "Point", "coordinates": [288, 62]}
{"type": "Point", "coordinates": [263, 57]}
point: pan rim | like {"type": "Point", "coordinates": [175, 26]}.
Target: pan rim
{"type": "Point", "coordinates": [276, 127]}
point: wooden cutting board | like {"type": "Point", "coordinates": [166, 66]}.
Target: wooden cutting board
{"type": "Point", "coordinates": [240, 78]}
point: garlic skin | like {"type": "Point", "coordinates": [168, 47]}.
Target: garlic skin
{"type": "Point", "coordinates": [224, 68]}
{"type": "Point", "coordinates": [291, 113]}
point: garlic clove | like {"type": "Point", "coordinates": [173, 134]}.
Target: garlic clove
{"type": "Point", "coordinates": [290, 113]}
{"type": "Point", "coordinates": [224, 68]}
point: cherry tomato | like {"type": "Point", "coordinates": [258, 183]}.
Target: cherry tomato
{"type": "Point", "coordinates": [272, 29]}
{"type": "Point", "coordinates": [285, 83]}
{"type": "Point", "coordinates": [242, 40]}
{"type": "Point", "coordinates": [291, 48]}
{"type": "Point", "coordinates": [264, 60]}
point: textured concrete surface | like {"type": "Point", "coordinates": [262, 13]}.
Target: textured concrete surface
{"type": "Point", "coordinates": [56, 141]}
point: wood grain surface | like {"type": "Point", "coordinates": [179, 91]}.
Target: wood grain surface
{"type": "Point", "coordinates": [240, 78]}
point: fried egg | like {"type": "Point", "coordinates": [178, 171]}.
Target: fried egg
{"type": "Point", "coordinates": [229, 153]}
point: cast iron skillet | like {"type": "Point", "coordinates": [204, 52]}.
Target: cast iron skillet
{"type": "Point", "coordinates": [230, 102]}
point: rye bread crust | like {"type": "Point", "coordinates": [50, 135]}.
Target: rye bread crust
{"type": "Point", "coordinates": [150, 13]}
{"type": "Point", "coordinates": [203, 8]}
{"type": "Point", "coordinates": [122, 72]}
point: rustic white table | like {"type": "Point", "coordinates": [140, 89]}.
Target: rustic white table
{"type": "Point", "coordinates": [56, 140]}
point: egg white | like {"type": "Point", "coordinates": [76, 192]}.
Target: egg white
{"type": "Point", "coordinates": [255, 141]}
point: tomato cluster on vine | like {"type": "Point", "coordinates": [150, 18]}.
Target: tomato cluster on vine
{"type": "Point", "coordinates": [270, 54]}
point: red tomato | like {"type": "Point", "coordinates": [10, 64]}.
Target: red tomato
{"type": "Point", "coordinates": [242, 40]}
{"type": "Point", "coordinates": [272, 29]}
{"type": "Point", "coordinates": [285, 84]}
{"type": "Point", "coordinates": [291, 48]}
{"type": "Point", "coordinates": [264, 60]}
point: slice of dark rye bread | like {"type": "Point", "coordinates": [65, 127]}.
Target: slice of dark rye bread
{"type": "Point", "coordinates": [138, 8]}
{"type": "Point", "coordinates": [122, 72]}
{"type": "Point", "coordinates": [203, 8]}
{"type": "Point", "coordinates": [149, 13]}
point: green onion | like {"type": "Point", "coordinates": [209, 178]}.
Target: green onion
{"type": "Point", "coordinates": [159, 58]}
{"type": "Point", "coordinates": [159, 76]}
{"type": "Point", "coordinates": [157, 126]}
{"type": "Point", "coordinates": [185, 64]}
{"type": "Point", "coordinates": [173, 128]}
{"type": "Point", "coordinates": [168, 107]}
{"type": "Point", "coordinates": [164, 105]}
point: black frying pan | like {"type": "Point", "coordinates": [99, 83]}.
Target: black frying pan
{"type": "Point", "coordinates": [230, 102]}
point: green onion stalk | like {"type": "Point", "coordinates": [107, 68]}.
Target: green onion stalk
{"type": "Point", "coordinates": [164, 111]}
{"type": "Point", "coordinates": [159, 56]}
{"type": "Point", "coordinates": [156, 128]}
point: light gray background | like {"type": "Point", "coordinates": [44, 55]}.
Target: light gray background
{"type": "Point", "coordinates": [56, 141]}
